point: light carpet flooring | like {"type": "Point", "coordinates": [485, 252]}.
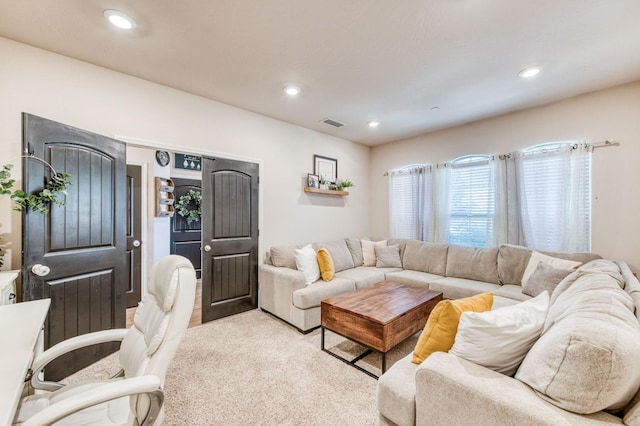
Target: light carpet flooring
{"type": "Point", "coordinates": [253, 369]}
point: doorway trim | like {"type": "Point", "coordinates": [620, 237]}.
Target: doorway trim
{"type": "Point", "coordinates": [144, 223]}
{"type": "Point", "coordinates": [187, 149]}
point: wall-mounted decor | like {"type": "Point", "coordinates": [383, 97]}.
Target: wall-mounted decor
{"type": "Point", "coordinates": [313, 181]}
{"type": "Point", "coordinates": [162, 158]}
{"type": "Point", "coordinates": [326, 168]}
{"type": "Point", "coordinates": [188, 162]}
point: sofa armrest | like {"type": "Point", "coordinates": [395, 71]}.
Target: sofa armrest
{"type": "Point", "coordinates": [451, 390]}
{"type": "Point", "coordinates": [277, 285]}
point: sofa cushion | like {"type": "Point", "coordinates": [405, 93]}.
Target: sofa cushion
{"type": "Point", "coordinates": [631, 285]}
{"type": "Point", "coordinates": [544, 278]}
{"type": "Point", "coordinates": [513, 329]}
{"type": "Point", "coordinates": [586, 359]}
{"type": "Point", "coordinates": [325, 263]}
{"type": "Point", "coordinates": [456, 288]}
{"type": "Point", "coordinates": [439, 333]}
{"type": "Point", "coordinates": [425, 257]}
{"type": "Point", "coordinates": [513, 292]}
{"type": "Point", "coordinates": [513, 260]}
{"type": "Point", "coordinates": [284, 256]}
{"type": "Point", "coordinates": [479, 264]}
{"type": "Point", "coordinates": [388, 257]}
{"type": "Point", "coordinates": [369, 251]}
{"type": "Point", "coordinates": [364, 276]}
{"type": "Point", "coordinates": [307, 262]}
{"type": "Point", "coordinates": [412, 277]}
{"type": "Point", "coordinates": [340, 254]}
{"type": "Point", "coordinates": [537, 258]}
{"type": "Point", "coordinates": [396, 393]}
{"type": "Point", "coordinates": [355, 248]}
{"type": "Point", "coordinates": [311, 295]}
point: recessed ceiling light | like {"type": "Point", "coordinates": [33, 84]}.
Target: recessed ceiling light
{"type": "Point", "coordinates": [120, 19]}
{"type": "Point", "coordinates": [529, 72]}
{"type": "Point", "coordinates": [374, 123]}
{"type": "Point", "coordinates": [292, 91]}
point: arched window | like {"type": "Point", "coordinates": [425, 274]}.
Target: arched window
{"type": "Point", "coordinates": [472, 199]}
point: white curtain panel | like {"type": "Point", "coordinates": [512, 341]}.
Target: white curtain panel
{"type": "Point", "coordinates": [441, 194]}
{"type": "Point", "coordinates": [411, 202]}
{"type": "Point", "coordinates": [554, 186]}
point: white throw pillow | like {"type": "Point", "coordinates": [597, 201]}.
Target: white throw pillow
{"type": "Point", "coordinates": [537, 257]}
{"type": "Point", "coordinates": [500, 339]}
{"type": "Point", "coordinates": [369, 251]}
{"type": "Point", "coordinates": [307, 262]}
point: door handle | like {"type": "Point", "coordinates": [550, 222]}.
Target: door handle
{"type": "Point", "coordinates": [40, 270]}
{"type": "Point", "coordinates": [207, 248]}
{"type": "Point", "coordinates": [136, 243]}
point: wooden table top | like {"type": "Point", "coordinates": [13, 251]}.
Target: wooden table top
{"type": "Point", "coordinates": [382, 302]}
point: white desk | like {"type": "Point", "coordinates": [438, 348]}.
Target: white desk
{"type": "Point", "coordinates": [20, 325]}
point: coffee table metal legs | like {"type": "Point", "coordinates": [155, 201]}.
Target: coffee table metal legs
{"type": "Point", "coordinates": [356, 359]}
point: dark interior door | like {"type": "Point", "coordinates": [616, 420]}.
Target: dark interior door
{"type": "Point", "coordinates": [186, 238]}
{"type": "Point", "coordinates": [229, 237]}
{"type": "Point", "coordinates": [83, 243]}
{"type": "Point", "coordinates": [134, 235]}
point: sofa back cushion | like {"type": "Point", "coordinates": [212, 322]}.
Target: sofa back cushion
{"type": "Point", "coordinates": [284, 256]}
{"type": "Point", "coordinates": [586, 359]}
{"type": "Point", "coordinates": [480, 264]}
{"type": "Point", "coordinates": [425, 257]}
{"type": "Point", "coordinates": [513, 260]}
{"type": "Point", "coordinates": [355, 248]}
{"type": "Point", "coordinates": [339, 252]}
{"type": "Point", "coordinates": [631, 286]}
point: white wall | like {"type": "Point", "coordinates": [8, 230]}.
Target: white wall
{"type": "Point", "coordinates": [114, 104]}
{"type": "Point", "coordinates": [612, 113]}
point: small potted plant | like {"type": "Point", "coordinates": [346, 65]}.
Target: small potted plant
{"type": "Point", "coordinates": [346, 184]}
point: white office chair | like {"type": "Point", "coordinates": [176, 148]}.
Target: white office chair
{"type": "Point", "coordinates": [146, 350]}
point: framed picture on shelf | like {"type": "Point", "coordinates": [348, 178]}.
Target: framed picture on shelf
{"type": "Point", "coordinates": [314, 181]}
{"type": "Point", "coordinates": [326, 168]}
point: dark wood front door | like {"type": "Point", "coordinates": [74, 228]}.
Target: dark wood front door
{"type": "Point", "coordinates": [186, 237]}
{"type": "Point", "coordinates": [83, 243]}
{"type": "Point", "coordinates": [229, 237]}
{"type": "Point", "coordinates": [134, 235]}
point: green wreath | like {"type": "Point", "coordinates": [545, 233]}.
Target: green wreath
{"type": "Point", "coordinates": [190, 206]}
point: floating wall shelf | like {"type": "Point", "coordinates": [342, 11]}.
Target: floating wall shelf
{"type": "Point", "coordinates": [326, 191]}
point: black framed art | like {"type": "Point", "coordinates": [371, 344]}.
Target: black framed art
{"type": "Point", "coordinates": [326, 168]}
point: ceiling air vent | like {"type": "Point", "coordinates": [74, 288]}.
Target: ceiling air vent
{"type": "Point", "coordinates": [331, 122]}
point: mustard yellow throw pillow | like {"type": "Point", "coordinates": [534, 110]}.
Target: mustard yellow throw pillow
{"type": "Point", "coordinates": [439, 333]}
{"type": "Point", "coordinates": [327, 270]}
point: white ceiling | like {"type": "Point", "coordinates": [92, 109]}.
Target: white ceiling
{"type": "Point", "coordinates": [355, 60]}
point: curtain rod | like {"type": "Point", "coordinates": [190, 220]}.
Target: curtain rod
{"type": "Point", "coordinates": [608, 142]}
{"type": "Point", "coordinates": [595, 145]}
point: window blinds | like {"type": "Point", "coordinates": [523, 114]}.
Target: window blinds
{"type": "Point", "coordinates": [471, 202]}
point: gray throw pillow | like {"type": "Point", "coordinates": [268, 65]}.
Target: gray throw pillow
{"type": "Point", "coordinates": [544, 277]}
{"type": "Point", "coordinates": [388, 257]}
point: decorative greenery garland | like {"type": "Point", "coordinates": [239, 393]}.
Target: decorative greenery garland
{"type": "Point", "coordinates": [184, 204]}
{"type": "Point", "coordinates": [39, 202]}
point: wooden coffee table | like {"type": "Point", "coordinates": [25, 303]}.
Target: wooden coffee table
{"type": "Point", "coordinates": [379, 317]}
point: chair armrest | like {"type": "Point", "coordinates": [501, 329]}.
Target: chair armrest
{"type": "Point", "coordinates": [149, 385]}
{"type": "Point", "coordinates": [452, 390]}
{"type": "Point", "coordinates": [66, 346]}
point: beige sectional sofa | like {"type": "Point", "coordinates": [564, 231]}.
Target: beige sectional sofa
{"type": "Point", "coordinates": [457, 271]}
{"type": "Point", "coordinates": [583, 369]}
